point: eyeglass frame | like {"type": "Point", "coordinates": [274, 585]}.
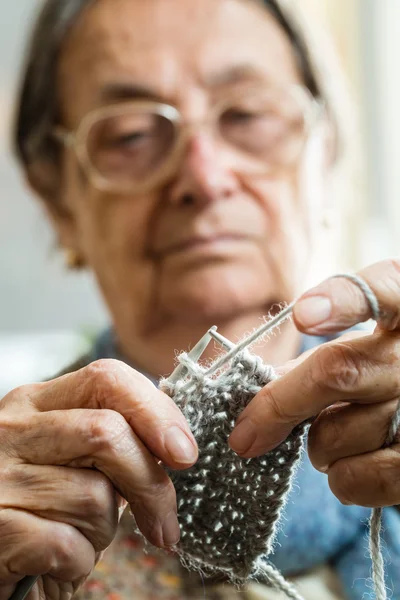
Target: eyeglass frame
{"type": "Point", "coordinates": [76, 139]}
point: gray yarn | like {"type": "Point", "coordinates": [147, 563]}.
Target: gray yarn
{"type": "Point", "coordinates": [375, 550]}
{"type": "Point", "coordinates": [366, 290]}
{"type": "Point", "coordinates": [375, 526]}
{"type": "Point", "coordinates": [267, 572]}
{"type": "Point", "coordinates": [228, 507]}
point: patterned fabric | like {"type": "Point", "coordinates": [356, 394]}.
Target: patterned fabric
{"type": "Point", "coordinates": [315, 531]}
{"type": "Point", "coordinates": [128, 573]}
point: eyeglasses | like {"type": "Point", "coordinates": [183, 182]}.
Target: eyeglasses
{"type": "Point", "coordinates": [138, 145]}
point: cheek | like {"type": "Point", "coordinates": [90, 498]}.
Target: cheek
{"type": "Point", "coordinates": [287, 241]}
{"type": "Point", "coordinates": [105, 224]}
{"type": "Point", "coordinates": [112, 234]}
{"type": "Point", "coordinates": [111, 229]}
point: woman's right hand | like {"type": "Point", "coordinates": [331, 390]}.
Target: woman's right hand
{"type": "Point", "coordinates": [73, 451]}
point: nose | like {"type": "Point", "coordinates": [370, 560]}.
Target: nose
{"type": "Point", "coordinates": [202, 177]}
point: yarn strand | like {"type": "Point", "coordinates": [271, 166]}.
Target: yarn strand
{"type": "Point", "coordinates": [375, 524]}
{"type": "Point", "coordinates": [274, 578]}
{"type": "Point", "coordinates": [375, 549]}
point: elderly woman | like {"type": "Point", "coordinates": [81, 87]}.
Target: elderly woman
{"type": "Point", "coordinates": [183, 152]}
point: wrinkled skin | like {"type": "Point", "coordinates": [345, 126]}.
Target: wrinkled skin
{"type": "Point", "coordinates": [75, 450]}
{"type": "Point", "coordinates": [351, 385]}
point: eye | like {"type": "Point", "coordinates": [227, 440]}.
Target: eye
{"type": "Point", "coordinates": [240, 116]}
{"type": "Point", "coordinates": [131, 140]}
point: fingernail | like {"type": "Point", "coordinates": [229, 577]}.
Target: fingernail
{"type": "Point", "coordinates": [313, 310]}
{"type": "Point", "coordinates": [243, 437]}
{"type": "Point", "coordinates": [171, 530]}
{"type": "Point", "coordinates": [179, 447]}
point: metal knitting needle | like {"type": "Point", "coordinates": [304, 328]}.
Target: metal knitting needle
{"type": "Point", "coordinates": [195, 354]}
{"type": "Point", "coordinates": [24, 587]}
{"type": "Point", "coordinates": [223, 341]}
{"type": "Point", "coordinates": [268, 326]}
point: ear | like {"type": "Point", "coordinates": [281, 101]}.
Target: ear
{"type": "Point", "coordinates": [44, 178]}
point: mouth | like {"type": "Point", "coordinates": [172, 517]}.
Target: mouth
{"type": "Point", "coordinates": [206, 244]}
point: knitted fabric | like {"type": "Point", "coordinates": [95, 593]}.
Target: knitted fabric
{"type": "Point", "coordinates": [228, 507]}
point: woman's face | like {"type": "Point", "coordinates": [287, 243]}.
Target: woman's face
{"type": "Point", "coordinates": [210, 244]}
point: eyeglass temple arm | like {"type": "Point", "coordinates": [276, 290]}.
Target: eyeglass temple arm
{"type": "Point", "coordinates": [62, 135]}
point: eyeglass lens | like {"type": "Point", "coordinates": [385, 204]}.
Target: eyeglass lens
{"type": "Point", "coordinates": [130, 147]}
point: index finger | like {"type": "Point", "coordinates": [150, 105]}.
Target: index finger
{"type": "Point", "coordinates": [336, 371]}
{"type": "Point", "coordinates": [339, 303]}
{"type": "Point", "coordinates": [111, 384]}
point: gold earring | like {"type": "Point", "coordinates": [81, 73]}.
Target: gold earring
{"type": "Point", "coordinates": [73, 259]}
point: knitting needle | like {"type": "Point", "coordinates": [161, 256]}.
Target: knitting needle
{"type": "Point", "coordinates": [195, 354]}
{"type": "Point", "coordinates": [268, 326]}
{"type": "Point", "coordinates": [223, 341]}
{"type": "Point", "coordinates": [23, 588]}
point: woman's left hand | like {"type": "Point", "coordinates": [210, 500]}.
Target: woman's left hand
{"type": "Point", "coordinates": [351, 386]}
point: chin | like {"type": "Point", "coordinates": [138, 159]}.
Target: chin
{"type": "Point", "coordinates": [217, 293]}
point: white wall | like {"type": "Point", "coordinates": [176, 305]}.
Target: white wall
{"type": "Point", "coordinates": [382, 69]}
{"type": "Point", "coordinates": [35, 292]}
{"type": "Point", "coordinates": [368, 38]}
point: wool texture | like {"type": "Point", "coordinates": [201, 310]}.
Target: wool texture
{"type": "Point", "coordinates": [228, 507]}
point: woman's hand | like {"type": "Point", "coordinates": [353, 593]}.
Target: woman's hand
{"type": "Point", "coordinates": [351, 386]}
{"type": "Point", "coordinates": [73, 451]}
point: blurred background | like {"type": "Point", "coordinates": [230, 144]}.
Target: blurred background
{"type": "Point", "coordinates": [49, 312]}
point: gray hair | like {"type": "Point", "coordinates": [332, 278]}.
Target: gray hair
{"type": "Point", "coordinates": [38, 103]}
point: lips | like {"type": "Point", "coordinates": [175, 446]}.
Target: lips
{"type": "Point", "coordinates": [199, 242]}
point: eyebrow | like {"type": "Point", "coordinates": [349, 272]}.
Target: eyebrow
{"type": "Point", "coordinates": [114, 92]}
{"type": "Point", "coordinates": [235, 74]}
{"type": "Point", "coordinates": [120, 92]}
